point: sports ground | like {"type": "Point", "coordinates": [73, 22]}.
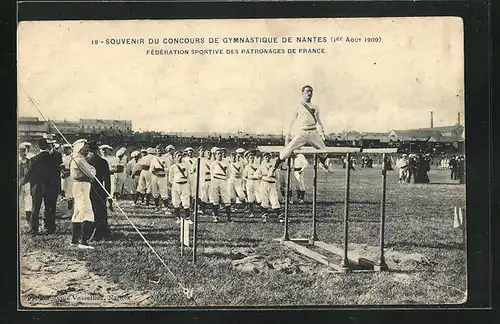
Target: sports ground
{"type": "Point", "coordinates": [241, 264]}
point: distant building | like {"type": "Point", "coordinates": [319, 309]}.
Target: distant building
{"type": "Point", "coordinates": [434, 134]}
{"type": "Point", "coordinates": [32, 127]}
{"type": "Point", "coordinates": [98, 125]}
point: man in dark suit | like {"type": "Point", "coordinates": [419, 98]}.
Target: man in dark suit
{"type": "Point", "coordinates": [43, 175]}
{"type": "Point", "coordinates": [98, 196]}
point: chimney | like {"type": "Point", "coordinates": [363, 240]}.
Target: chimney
{"type": "Point", "coordinates": [432, 121]}
{"type": "Point", "coordinates": [458, 122]}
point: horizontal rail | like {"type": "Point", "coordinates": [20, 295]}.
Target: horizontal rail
{"type": "Point", "coordinates": [332, 149]}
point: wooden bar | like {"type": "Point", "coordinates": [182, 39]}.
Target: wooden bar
{"type": "Point", "coordinates": [311, 254]}
{"type": "Point", "coordinates": [381, 265]}
{"type": "Point", "coordinates": [387, 150]}
{"type": "Point", "coordinates": [354, 257]}
{"type": "Point", "coordinates": [332, 149]}
{"type": "Point", "coordinates": [345, 260]}
{"type": "Point", "coordinates": [311, 150]}
{"type": "Point", "coordinates": [195, 221]}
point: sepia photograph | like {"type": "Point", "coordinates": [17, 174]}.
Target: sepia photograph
{"type": "Point", "coordinates": [222, 163]}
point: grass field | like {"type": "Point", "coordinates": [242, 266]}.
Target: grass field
{"type": "Point", "coordinates": [430, 266]}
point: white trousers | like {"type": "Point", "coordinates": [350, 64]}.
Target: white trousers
{"type": "Point", "coordinates": [180, 195]}
{"type": "Point", "coordinates": [82, 206]}
{"type": "Point", "coordinates": [204, 192]}
{"type": "Point", "coordinates": [219, 189]}
{"type": "Point", "coordinates": [159, 187]}
{"type": "Point", "coordinates": [253, 188]}
{"type": "Point", "coordinates": [25, 200]}
{"type": "Point", "coordinates": [120, 182]}
{"type": "Point", "coordinates": [269, 195]}
{"type": "Point", "coordinates": [299, 183]}
{"type": "Point", "coordinates": [236, 188]}
{"type": "Point", "coordinates": [304, 137]}
{"type": "Point", "coordinates": [144, 184]}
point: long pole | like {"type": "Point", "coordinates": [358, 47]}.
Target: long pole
{"type": "Point", "coordinates": [381, 265]}
{"type": "Point", "coordinates": [285, 234]}
{"type": "Point", "coordinates": [314, 236]}
{"type": "Point", "coordinates": [345, 260]}
{"type": "Point", "coordinates": [195, 225]}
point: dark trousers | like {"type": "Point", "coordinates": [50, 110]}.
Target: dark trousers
{"type": "Point", "coordinates": [100, 217]}
{"type": "Point", "coordinates": [48, 195]}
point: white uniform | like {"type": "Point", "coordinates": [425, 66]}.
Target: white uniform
{"type": "Point", "coordinates": [299, 165]}
{"type": "Point", "coordinates": [178, 177]}
{"type": "Point", "coordinates": [253, 182]}
{"type": "Point", "coordinates": [191, 162]}
{"type": "Point", "coordinates": [205, 180]}
{"type": "Point", "coordinates": [113, 164]}
{"type": "Point", "coordinates": [309, 131]}
{"type": "Point", "coordinates": [130, 168]}
{"type": "Point", "coordinates": [159, 178]}
{"type": "Point", "coordinates": [219, 187]}
{"type": "Point", "coordinates": [67, 183]}
{"type": "Point", "coordinates": [25, 199]}
{"type": "Point", "coordinates": [81, 189]}
{"type": "Point", "coordinates": [167, 160]}
{"type": "Point", "coordinates": [144, 184]}
{"type": "Point", "coordinates": [121, 177]}
{"type": "Point", "coordinates": [268, 189]}
{"type": "Point", "coordinates": [235, 181]}
{"type": "Point", "coordinates": [402, 164]}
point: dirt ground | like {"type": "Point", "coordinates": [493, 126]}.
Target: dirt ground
{"type": "Point", "coordinates": [49, 279]}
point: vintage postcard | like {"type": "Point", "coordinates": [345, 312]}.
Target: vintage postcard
{"type": "Point", "coordinates": [241, 163]}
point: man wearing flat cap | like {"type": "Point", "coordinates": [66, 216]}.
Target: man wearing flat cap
{"type": "Point", "coordinates": [159, 181]}
{"type": "Point", "coordinates": [178, 178]}
{"type": "Point", "coordinates": [144, 184]}
{"type": "Point", "coordinates": [133, 171]}
{"type": "Point", "coordinates": [219, 189]}
{"type": "Point", "coordinates": [252, 183]}
{"type": "Point", "coordinates": [167, 159]}
{"type": "Point", "coordinates": [98, 196]}
{"type": "Point", "coordinates": [205, 179]}
{"type": "Point", "coordinates": [44, 176]}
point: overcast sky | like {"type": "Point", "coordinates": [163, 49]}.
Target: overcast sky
{"type": "Point", "coordinates": [418, 67]}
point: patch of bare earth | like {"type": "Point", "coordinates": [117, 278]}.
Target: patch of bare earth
{"type": "Point", "coordinates": [53, 280]}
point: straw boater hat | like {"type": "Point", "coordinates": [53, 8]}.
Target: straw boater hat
{"type": "Point", "coordinates": [105, 146]}
{"type": "Point", "coordinates": [150, 150]}
{"type": "Point", "coordinates": [121, 151]}
{"type": "Point", "coordinates": [134, 154]}
{"type": "Point", "coordinates": [240, 150]}
{"type": "Point", "coordinates": [25, 144]}
{"type": "Point", "coordinates": [188, 149]}
{"type": "Point", "coordinates": [170, 147]}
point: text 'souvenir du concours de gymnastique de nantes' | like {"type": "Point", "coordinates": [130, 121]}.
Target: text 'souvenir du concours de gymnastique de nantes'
{"type": "Point", "coordinates": [256, 45]}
